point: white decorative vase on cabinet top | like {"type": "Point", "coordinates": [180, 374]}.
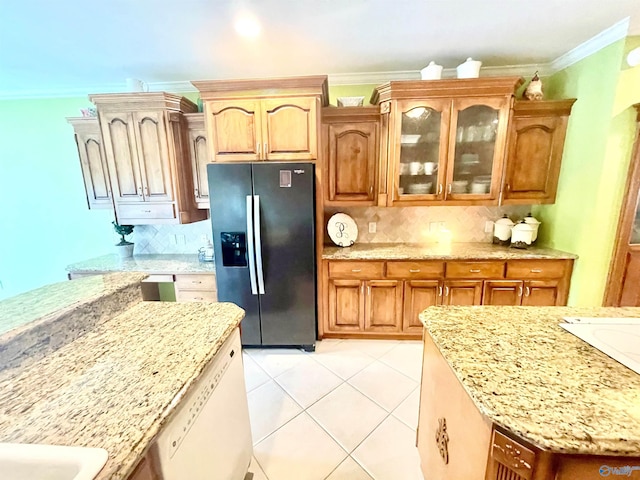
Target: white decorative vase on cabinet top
{"type": "Point", "coordinates": [433, 71]}
{"type": "Point", "coordinates": [469, 69]}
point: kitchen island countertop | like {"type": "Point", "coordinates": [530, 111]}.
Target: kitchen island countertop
{"type": "Point", "coordinates": [530, 376]}
{"type": "Point", "coordinates": [439, 251]}
{"type": "Point", "coordinates": [117, 385]}
{"type": "Point", "coordinates": [150, 263]}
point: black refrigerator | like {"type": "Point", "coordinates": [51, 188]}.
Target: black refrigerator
{"type": "Point", "coordinates": [263, 222]}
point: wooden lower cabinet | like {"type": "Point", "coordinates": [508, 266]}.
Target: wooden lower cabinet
{"type": "Point", "coordinates": [346, 305]}
{"type": "Point", "coordinates": [531, 293]}
{"type": "Point", "coordinates": [145, 470]}
{"type": "Point", "coordinates": [383, 307]}
{"type": "Point", "coordinates": [462, 292]}
{"type": "Point", "coordinates": [418, 295]}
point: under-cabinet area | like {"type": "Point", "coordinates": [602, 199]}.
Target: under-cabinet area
{"type": "Point", "coordinates": [382, 298]}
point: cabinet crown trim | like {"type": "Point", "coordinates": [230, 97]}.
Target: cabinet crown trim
{"type": "Point", "coordinates": [133, 102]}
{"type": "Point", "coordinates": [457, 87]}
{"type": "Point", "coordinates": [543, 108]}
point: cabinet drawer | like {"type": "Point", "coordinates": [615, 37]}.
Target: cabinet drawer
{"type": "Point", "coordinates": [356, 269]}
{"type": "Point", "coordinates": [475, 269]}
{"type": "Point", "coordinates": [195, 282]}
{"type": "Point", "coordinates": [415, 269]}
{"type": "Point", "coordinates": [536, 268]}
{"type": "Point", "coordinates": [146, 210]}
{"type": "Point", "coordinates": [518, 459]}
{"type": "Point", "coordinates": [196, 296]}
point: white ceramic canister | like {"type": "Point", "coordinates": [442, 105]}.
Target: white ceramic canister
{"type": "Point", "coordinates": [521, 235]}
{"type": "Point", "coordinates": [502, 230]}
{"type": "Point", "coordinates": [535, 223]}
{"type": "Point", "coordinates": [469, 69]}
{"type": "Point", "coordinates": [433, 71]}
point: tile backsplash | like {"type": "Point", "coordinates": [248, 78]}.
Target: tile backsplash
{"type": "Point", "coordinates": [186, 238]}
{"type": "Point", "coordinates": [412, 224]}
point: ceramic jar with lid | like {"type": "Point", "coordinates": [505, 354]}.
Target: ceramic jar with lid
{"type": "Point", "coordinates": [469, 69]}
{"type": "Point", "coordinates": [535, 223]}
{"type": "Point", "coordinates": [502, 231]}
{"type": "Point", "coordinates": [521, 235]}
{"type": "Point", "coordinates": [433, 71]}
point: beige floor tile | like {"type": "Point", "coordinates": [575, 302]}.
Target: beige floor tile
{"type": "Point", "coordinates": [277, 360]}
{"type": "Point", "coordinates": [300, 450]}
{"type": "Point", "coordinates": [256, 469]}
{"type": "Point", "coordinates": [343, 360]}
{"type": "Point", "coordinates": [389, 453]}
{"type": "Point", "coordinates": [308, 382]}
{"type": "Point", "coordinates": [326, 345]}
{"type": "Point", "coordinates": [406, 358]}
{"type": "Point", "coordinates": [347, 415]}
{"type": "Point", "coordinates": [254, 376]}
{"type": "Point", "coordinates": [384, 385]}
{"type": "Point", "coordinates": [407, 411]}
{"type": "Point", "coordinates": [269, 408]}
{"type": "Point", "coordinates": [373, 348]}
{"type": "Point", "coordinates": [349, 470]}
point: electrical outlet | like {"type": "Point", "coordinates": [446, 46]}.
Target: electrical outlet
{"type": "Point", "coordinates": [181, 239]}
{"type": "Point", "coordinates": [488, 226]}
{"type": "Point", "coordinates": [204, 238]}
{"type": "Point", "coordinates": [434, 227]}
{"type": "Point", "coordinates": [173, 239]}
{"type": "Point", "coordinates": [372, 227]}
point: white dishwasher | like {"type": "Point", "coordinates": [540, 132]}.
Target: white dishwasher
{"type": "Point", "coordinates": [209, 437]}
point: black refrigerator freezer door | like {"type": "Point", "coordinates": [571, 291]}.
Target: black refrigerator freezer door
{"type": "Point", "coordinates": [287, 234]}
{"type": "Point", "coordinates": [229, 185]}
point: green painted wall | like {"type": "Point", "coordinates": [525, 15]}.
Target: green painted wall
{"type": "Point", "coordinates": [594, 167]}
{"type": "Point", "coordinates": [336, 91]}
{"type": "Point", "coordinates": [44, 220]}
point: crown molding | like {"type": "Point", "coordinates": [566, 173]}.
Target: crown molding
{"type": "Point", "coordinates": [615, 32]}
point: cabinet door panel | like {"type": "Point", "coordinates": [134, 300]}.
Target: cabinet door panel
{"type": "Point", "coordinates": [346, 305]}
{"type": "Point", "coordinates": [199, 155]}
{"type": "Point", "coordinates": [122, 158]}
{"type": "Point", "coordinates": [353, 153]}
{"type": "Point", "coordinates": [383, 306]}
{"type": "Point", "coordinates": [477, 141]}
{"type": "Point", "coordinates": [153, 154]}
{"type": "Point", "coordinates": [630, 294]}
{"type": "Point", "coordinates": [502, 292]}
{"type": "Point", "coordinates": [94, 167]}
{"type": "Point", "coordinates": [463, 292]}
{"type": "Point", "coordinates": [540, 293]}
{"type": "Point", "coordinates": [234, 130]}
{"type": "Point", "coordinates": [290, 129]}
{"type": "Point", "coordinates": [418, 295]}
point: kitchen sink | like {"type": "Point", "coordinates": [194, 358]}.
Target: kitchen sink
{"type": "Point", "coordinates": [23, 461]}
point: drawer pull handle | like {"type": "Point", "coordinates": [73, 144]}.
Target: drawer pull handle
{"type": "Point", "coordinates": [440, 291]}
{"type": "Point", "coordinates": [519, 291]}
{"type": "Point", "coordinates": [475, 270]}
{"type": "Point", "coordinates": [356, 270]}
{"type": "Point", "coordinates": [196, 281]}
{"type": "Point", "coordinates": [446, 291]}
{"type": "Point", "coordinates": [198, 298]}
{"type": "Point", "coordinates": [146, 211]}
{"type": "Point", "coordinates": [536, 270]}
{"type": "Point", "coordinates": [414, 270]}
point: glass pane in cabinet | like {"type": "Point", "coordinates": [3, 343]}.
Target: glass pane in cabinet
{"type": "Point", "coordinates": [475, 144]}
{"type": "Point", "coordinates": [419, 151]}
{"type": "Point", "coordinates": [635, 229]}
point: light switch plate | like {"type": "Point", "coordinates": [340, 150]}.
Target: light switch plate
{"type": "Point", "coordinates": [372, 227]}
{"type": "Point", "coordinates": [488, 226]}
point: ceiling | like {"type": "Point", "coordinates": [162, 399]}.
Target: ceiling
{"type": "Point", "coordinates": [83, 46]}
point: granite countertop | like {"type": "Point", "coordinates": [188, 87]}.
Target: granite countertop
{"type": "Point", "coordinates": [532, 377]}
{"type": "Point", "coordinates": [115, 386]}
{"type": "Point", "coordinates": [152, 264]}
{"type": "Point", "coordinates": [439, 251]}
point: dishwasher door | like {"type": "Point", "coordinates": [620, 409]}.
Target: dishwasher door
{"type": "Point", "coordinates": [209, 437]}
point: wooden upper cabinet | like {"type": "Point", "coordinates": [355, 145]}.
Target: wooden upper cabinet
{"type": "Point", "coordinates": [536, 143]}
{"type": "Point", "coordinates": [199, 156]}
{"type": "Point", "coordinates": [144, 136]}
{"type": "Point", "coordinates": [350, 138]}
{"type": "Point", "coordinates": [92, 162]}
{"type": "Point", "coordinates": [290, 128]}
{"type": "Point", "coordinates": [270, 119]}
{"type": "Point", "coordinates": [446, 139]}
{"type": "Point", "coordinates": [234, 130]}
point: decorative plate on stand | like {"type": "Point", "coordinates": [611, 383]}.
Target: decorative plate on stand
{"type": "Point", "coordinates": [342, 230]}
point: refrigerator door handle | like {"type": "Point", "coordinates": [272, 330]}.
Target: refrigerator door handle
{"type": "Point", "coordinates": [256, 221]}
{"type": "Point", "coordinates": [252, 264]}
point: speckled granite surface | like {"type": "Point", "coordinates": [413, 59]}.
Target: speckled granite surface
{"type": "Point", "coordinates": [113, 387]}
{"type": "Point", "coordinates": [444, 251]}
{"type": "Point", "coordinates": [38, 322]}
{"type": "Point", "coordinates": [541, 382]}
{"type": "Point", "coordinates": [157, 263]}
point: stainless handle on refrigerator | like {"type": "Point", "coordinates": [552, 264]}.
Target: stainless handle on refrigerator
{"type": "Point", "coordinates": [256, 225]}
{"type": "Point", "coordinates": [252, 265]}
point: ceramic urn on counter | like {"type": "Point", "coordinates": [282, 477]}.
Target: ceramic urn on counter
{"type": "Point", "coordinates": [502, 231]}
{"type": "Point", "coordinates": [535, 223]}
{"type": "Point", "coordinates": [522, 235]}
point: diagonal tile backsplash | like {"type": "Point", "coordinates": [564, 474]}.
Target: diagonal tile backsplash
{"type": "Point", "coordinates": [170, 238]}
{"type": "Point", "coordinates": [412, 224]}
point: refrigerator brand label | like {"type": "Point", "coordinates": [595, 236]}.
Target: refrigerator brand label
{"type": "Point", "coordinates": [298, 171]}
{"type": "Point", "coordinates": [285, 178]}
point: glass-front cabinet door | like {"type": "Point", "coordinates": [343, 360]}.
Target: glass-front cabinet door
{"type": "Point", "coordinates": [420, 151]}
{"type": "Point", "coordinates": [477, 139]}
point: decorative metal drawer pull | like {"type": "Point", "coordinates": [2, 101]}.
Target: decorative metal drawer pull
{"type": "Point", "coordinates": [442, 439]}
